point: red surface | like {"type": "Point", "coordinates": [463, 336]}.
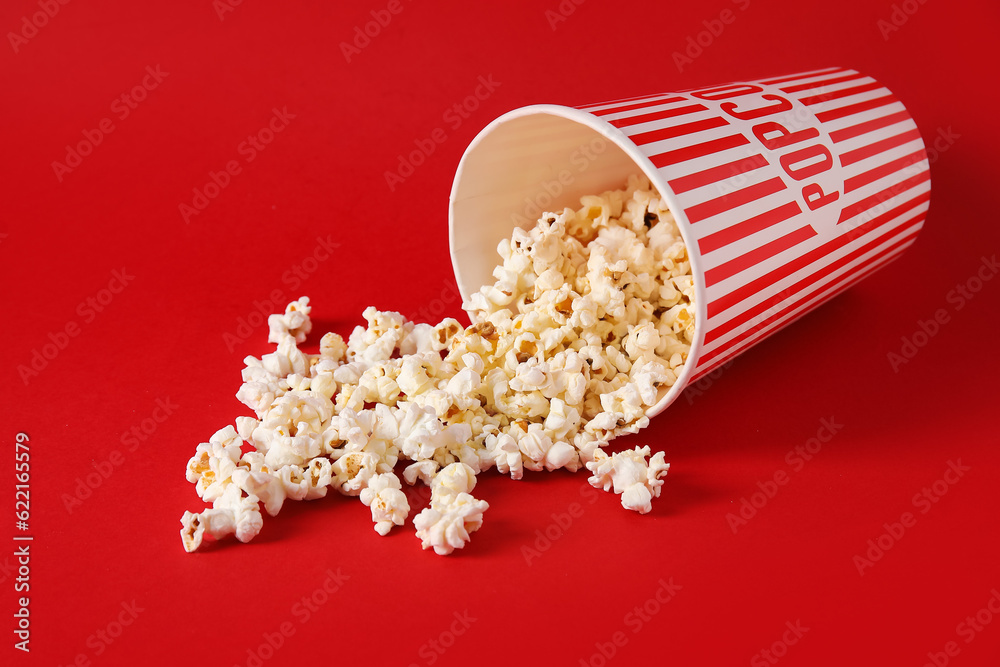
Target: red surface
{"type": "Point", "coordinates": [164, 338]}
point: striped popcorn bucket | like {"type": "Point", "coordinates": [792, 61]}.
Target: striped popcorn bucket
{"type": "Point", "coordinates": [786, 190]}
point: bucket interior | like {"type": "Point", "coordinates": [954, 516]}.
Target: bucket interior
{"type": "Point", "coordinates": [533, 160]}
{"type": "Point", "coordinates": [518, 168]}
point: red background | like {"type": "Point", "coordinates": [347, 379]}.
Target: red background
{"type": "Point", "coordinates": [163, 337]}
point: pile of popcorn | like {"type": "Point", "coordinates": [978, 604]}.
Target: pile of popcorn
{"type": "Point", "coordinates": [590, 319]}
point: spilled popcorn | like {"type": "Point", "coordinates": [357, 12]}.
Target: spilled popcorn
{"type": "Point", "coordinates": [591, 315]}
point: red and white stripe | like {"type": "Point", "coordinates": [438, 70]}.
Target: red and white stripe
{"type": "Point", "coordinates": [766, 259]}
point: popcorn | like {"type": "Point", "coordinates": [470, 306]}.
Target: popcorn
{"type": "Point", "coordinates": [232, 513]}
{"type": "Point", "coordinates": [245, 426]}
{"type": "Point", "coordinates": [453, 512]}
{"type": "Point", "coordinates": [286, 360]}
{"type": "Point", "coordinates": [214, 463]}
{"type": "Point", "coordinates": [319, 476]}
{"type": "Point", "coordinates": [332, 347]}
{"type": "Point", "coordinates": [562, 419]}
{"type": "Point", "coordinates": [628, 473]}
{"type": "Point", "coordinates": [421, 433]}
{"type": "Point", "coordinates": [589, 320]}
{"type": "Point", "coordinates": [416, 374]}
{"type": "Point", "coordinates": [539, 452]}
{"type": "Point", "coordinates": [293, 481]}
{"type": "Point", "coordinates": [452, 481]}
{"type": "Point", "coordinates": [447, 528]}
{"type": "Point", "coordinates": [387, 502]}
{"type": "Point", "coordinates": [649, 376]}
{"type": "Point", "coordinates": [295, 322]}
{"type": "Point", "coordinates": [505, 454]}
{"type": "Point", "coordinates": [642, 341]}
{"type": "Point", "coordinates": [268, 488]}
{"type": "Point", "coordinates": [422, 471]}
{"type": "Point", "coordinates": [352, 471]}
{"type": "Point", "coordinates": [290, 430]}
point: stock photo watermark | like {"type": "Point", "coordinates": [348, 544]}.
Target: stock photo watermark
{"type": "Point", "coordinates": [634, 621]}
{"type": "Point", "coordinates": [582, 157]}
{"type": "Point", "coordinates": [773, 654]}
{"type": "Point", "coordinates": [433, 649]}
{"type": "Point", "coordinates": [365, 32]}
{"type": "Point", "coordinates": [292, 278]}
{"type": "Point", "coordinates": [101, 639]}
{"type": "Point", "coordinates": [121, 108]}
{"type": "Point", "coordinates": [708, 380]}
{"type": "Point", "coordinates": [139, 433]}
{"type": "Point", "coordinates": [697, 43]}
{"type": "Point", "coordinates": [454, 117]}
{"type": "Point", "coordinates": [967, 630]}
{"type": "Point", "coordinates": [432, 311]}
{"type": "Point", "coordinates": [59, 340]}
{"type": "Point", "coordinates": [303, 610]}
{"type": "Point", "coordinates": [223, 7]}
{"type": "Point", "coordinates": [22, 541]}
{"type": "Point", "coordinates": [957, 298]}
{"type": "Point", "coordinates": [561, 523]}
{"type": "Point", "coordinates": [900, 14]}
{"type": "Point", "coordinates": [943, 140]}
{"type": "Point", "coordinates": [562, 11]}
{"type": "Point", "coordinates": [696, 389]}
{"type": "Point", "coordinates": [923, 501]}
{"type": "Point", "coordinates": [248, 149]}
{"type": "Point", "coordinates": [32, 23]}
{"type": "Point", "coordinates": [796, 459]}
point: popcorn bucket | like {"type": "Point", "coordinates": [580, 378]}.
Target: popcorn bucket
{"type": "Point", "coordinates": [786, 190]}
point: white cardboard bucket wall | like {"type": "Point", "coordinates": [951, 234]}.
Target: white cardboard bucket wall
{"type": "Point", "coordinates": [787, 191]}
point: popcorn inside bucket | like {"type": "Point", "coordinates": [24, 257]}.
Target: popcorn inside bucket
{"type": "Point", "coordinates": [590, 316]}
